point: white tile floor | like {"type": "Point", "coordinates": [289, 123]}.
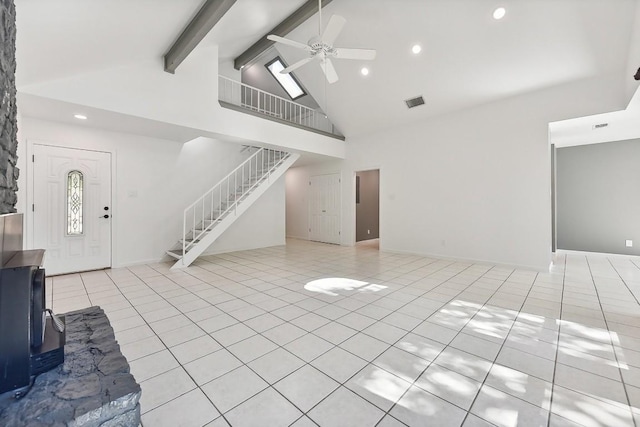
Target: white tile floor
{"type": "Point", "coordinates": [311, 334]}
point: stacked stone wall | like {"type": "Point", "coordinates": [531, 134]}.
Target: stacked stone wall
{"type": "Point", "coordinates": [8, 109]}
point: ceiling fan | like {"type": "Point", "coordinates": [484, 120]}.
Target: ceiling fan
{"type": "Point", "coordinates": [321, 48]}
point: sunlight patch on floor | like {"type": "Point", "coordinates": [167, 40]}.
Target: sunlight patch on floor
{"type": "Point", "coordinates": [331, 285]}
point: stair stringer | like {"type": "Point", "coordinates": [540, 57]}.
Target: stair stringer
{"type": "Point", "coordinates": [198, 249]}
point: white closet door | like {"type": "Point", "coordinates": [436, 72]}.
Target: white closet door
{"type": "Point", "coordinates": [324, 208]}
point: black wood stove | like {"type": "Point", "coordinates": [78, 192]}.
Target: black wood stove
{"type": "Point", "coordinates": [31, 342]}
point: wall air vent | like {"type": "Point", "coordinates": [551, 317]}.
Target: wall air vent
{"type": "Point", "coordinates": [601, 125]}
{"type": "Point", "coordinates": [414, 102]}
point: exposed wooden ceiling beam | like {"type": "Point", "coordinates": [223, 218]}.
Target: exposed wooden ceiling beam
{"type": "Point", "coordinates": [208, 16]}
{"type": "Point", "coordinates": [305, 12]}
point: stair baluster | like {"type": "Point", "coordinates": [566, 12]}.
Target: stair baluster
{"type": "Point", "coordinates": [204, 222]}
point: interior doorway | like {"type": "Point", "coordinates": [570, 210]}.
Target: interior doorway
{"type": "Point", "coordinates": [367, 202]}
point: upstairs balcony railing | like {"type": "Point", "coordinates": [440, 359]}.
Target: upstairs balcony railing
{"type": "Point", "coordinates": [261, 102]}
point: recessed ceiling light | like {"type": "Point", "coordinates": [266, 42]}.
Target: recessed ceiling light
{"type": "Point", "coordinates": [499, 13]}
{"type": "Point", "coordinates": [364, 71]}
{"type": "Point", "coordinates": [416, 49]}
{"type": "Point", "coordinates": [80, 116]}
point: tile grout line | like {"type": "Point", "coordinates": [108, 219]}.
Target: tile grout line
{"type": "Point", "coordinates": [339, 384]}
{"type": "Point", "coordinates": [142, 279]}
{"type": "Point", "coordinates": [387, 413]}
{"type": "Point", "coordinates": [308, 363]}
{"type": "Point", "coordinates": [555, 362]}
{"type": "Point", "coordinates": [624, 384]}
{"type": "Point", "coordinates": [499, 350]}
{"type": "Point", "coordinates": [446, 345]}
{"type": "Point", "coordinates": [393, 273]}
{"type": "Point", "coordinates": [168, 349]}
{"type": "Point", "coordinates": [305, 413]}
{"type": "Point", "coordinates": [248, 367]}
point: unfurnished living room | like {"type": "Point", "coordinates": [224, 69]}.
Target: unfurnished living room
{"type": "Point", "coordinates": [320, 213]}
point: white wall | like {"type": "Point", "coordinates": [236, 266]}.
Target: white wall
{"type": "Point", "coordinates": [227, 69]}
{"type": "Point", "coordinates": [263, 225]}
{"type": "Point", "coordinates": [188, 98]}
{"type": "Point", "coordinates": [167, 176]}
{"type": "Point", "coordinates": [143, 89]}
{"type": "Point", "coordinates": [472, 185]}
{"type": "Point", "coordinates": [621, 125]}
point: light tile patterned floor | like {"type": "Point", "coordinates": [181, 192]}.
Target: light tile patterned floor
{"type": "Point", "coordinates": [311, 334]}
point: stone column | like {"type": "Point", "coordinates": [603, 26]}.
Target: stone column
{"type": "Point", "coordinates": [8, 109]}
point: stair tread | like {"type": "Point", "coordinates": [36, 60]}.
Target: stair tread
{"type": "Point", "coordinates": [175, 253]}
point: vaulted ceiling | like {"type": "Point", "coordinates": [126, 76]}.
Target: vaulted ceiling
{"type": "Point", "coordinates": [467, 57]}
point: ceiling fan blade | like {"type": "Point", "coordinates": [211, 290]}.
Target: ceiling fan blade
{"type": "Point", "coordinates": [298, 64]}
{"type": "Point", "coordinates": [288, 42]}
{"type": "Point", "coordinates": [364, 54]}
{"type": "Point", "coordinates": [329, 71]}
{"type": "Point", "coordinates": [333, 29]}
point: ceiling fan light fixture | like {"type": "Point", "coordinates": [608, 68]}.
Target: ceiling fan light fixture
{"type": "Point", "coordinates": [499, 13]}
{"type": "Point", "coordinates": [364, 71]}
{"type": "Point", "coordinates": [321, 47]}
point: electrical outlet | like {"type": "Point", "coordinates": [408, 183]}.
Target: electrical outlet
{"type": "Point", "coordinates": [628, 243]}
{"type": "Point", "coordinates": [368, 231]}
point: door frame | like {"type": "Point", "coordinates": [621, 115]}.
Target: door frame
{"type": "Point", "coordinates": [353, 203]}
{"type": "Point", "coordinates": [355, 216]}
{"type": "Point", "coordinates": [30, 189]}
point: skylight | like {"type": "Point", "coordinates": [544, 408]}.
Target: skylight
{"type": "Point", "coordinates": [287, 81]}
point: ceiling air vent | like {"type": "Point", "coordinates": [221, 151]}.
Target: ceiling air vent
{"type": "Point", "coordinates": [414, 102]}
{"type": "Point", "coordinates": [600, 125]}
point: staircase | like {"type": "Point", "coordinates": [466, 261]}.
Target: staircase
{"type": "Point", "coordinates": [208, 217]}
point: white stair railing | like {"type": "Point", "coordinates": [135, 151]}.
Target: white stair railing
{"type": "Point", "coordinates": [254, 99]}
{"type": "Point", "coordinates": [222, 199]}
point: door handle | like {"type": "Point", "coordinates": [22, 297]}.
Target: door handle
{"type": "Point", "coordinates": [104, 216]}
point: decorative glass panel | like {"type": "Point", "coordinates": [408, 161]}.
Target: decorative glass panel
{"type": "Point", "coordinates": [74, 203]}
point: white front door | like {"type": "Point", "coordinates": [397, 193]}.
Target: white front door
{"type": "Point", "coordinates": [72, 208]}
{"type": "Point", "coordinates": [324, 208]}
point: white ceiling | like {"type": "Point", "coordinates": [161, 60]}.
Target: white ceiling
{"type": "Point", "coordinates": [66, 37]}
{"type": "Point", "coordinates": [57, 39]}
{"type": "Point", "coordinates": [468, 58]}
